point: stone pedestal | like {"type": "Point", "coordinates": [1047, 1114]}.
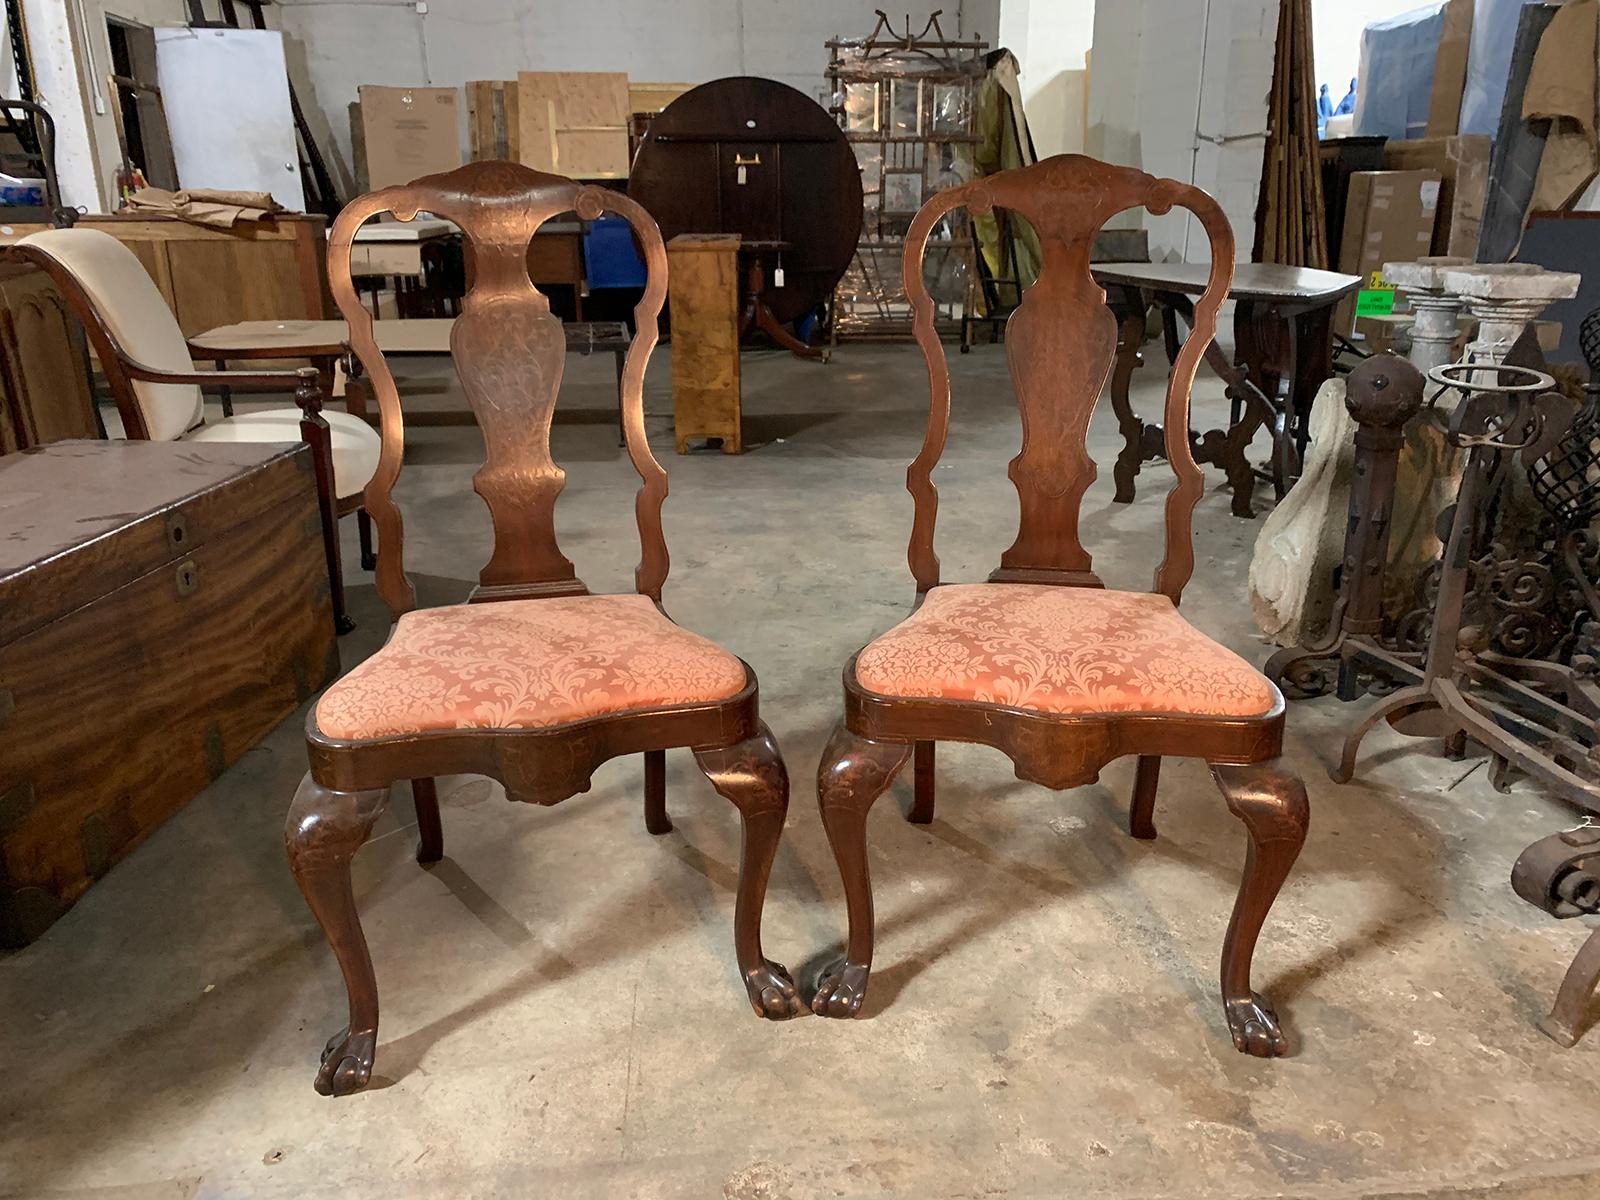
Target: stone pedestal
{"type": "Point", "coordinates": [1505, 297]}
{"type": "Point", "coordinates": [1438, 312]}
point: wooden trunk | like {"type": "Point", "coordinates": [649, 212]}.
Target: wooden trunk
{"type": "Point", "coordinates": [163, 605]}
{"type": "Point", "coordinates": [703, 293]}
{"type": "Point", "coordinates": [44, 381]}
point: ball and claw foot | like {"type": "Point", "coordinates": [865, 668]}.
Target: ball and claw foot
{"type": "Point", "coordinates": [772, 992]}
{"type": "Point", "coordinates": [1255, 1028]}
{"type": "Point", "coordinates": [840, 989]}
{"type": "Point", "coordinates": [347, 1063]}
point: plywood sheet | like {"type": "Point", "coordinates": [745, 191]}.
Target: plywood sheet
{"type": "Point", "coordinates": [574, 122]}
{"type": "Point", "coordinates": [653, 97]}
{"type": "Point", "coordinates": [492, 122]}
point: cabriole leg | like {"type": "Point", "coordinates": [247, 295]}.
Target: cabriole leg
{"type": "Point", "coordinates": [752, 775]}
{"type": "Point", "coordinates": [655, 792]}
{"type": "Point", "coordinates": [922, 776]}
{"type": "Point", "coordinates": [1142, 811]}
{"type": "Point", "coordinates": [430, 830]}
{"type": "Point", "coordinates": [1271, 801]}
{"type": "Point", "coordinates": [853, 773]}
{"type": "Point", "coordinates": [324, 831]}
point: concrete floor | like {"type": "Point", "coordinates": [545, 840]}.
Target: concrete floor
{"type": "Point", "coordinates": [561, 1013]}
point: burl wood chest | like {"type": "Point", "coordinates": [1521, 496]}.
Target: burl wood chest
{"type": "Point", "coordinates": [703, 297]}
{"type": "Point", "coordinates": [162, 606]}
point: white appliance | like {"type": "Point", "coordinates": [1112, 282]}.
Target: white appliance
{"type": "Point", "coordinates": [226, 96]}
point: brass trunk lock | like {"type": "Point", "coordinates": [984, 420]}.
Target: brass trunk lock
{"type": "Point", "coordinates": [178, 531]}
{"type": "Point", "coordinates": [188, 577]}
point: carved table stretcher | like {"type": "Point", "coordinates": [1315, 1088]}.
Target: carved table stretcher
{"type": "Point", "coordinates": [1282, 329]}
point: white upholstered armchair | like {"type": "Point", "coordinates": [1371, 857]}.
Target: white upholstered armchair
{"type": "Point", "coordinates": [152, 376]}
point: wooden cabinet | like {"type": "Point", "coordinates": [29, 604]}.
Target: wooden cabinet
{"type": "Point", "coordinates": [703, 296]}
{"type": "Point", "coordinates": [163, 605]}
{"type": "Point", "coordinates": [44, 384]}
{"type": "Point", "coordinates": [273, 270]}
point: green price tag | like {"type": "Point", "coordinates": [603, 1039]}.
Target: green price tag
{"type": "Point", "coordinates": [1374, 302]}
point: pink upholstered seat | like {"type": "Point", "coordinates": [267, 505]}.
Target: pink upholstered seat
{"type": "Point", "coordinates": [1061, 650]}
{"type": "Point", "coordinates": [526, 664]}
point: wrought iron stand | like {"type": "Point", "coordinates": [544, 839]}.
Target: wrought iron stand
{"type": "Point", "coordinates": [1382, 394]}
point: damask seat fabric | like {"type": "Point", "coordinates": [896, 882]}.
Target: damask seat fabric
{"type": "Point", "coordinates": [1061, 650]}
{"type": "Point", "coordinates": [526, 664]}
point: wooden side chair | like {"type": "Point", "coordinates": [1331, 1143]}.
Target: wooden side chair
{"type": "Point", "coordinates": [534, 681]}
{"type": "Point", "coordinates": [150, 370]}
{"type": "Point", "coordinates": [1042, 661]}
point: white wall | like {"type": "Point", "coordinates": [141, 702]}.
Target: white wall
{"type": "Point", "coordinates": [55, 46]}
{"type": "Point", "coordinates": [337, 45]}
{"type": "Point", "coordinates": [108, 155]}
{"type": "Point", "coordinates": [1050, 39]}
{"type": "Point", "coordinates": [1179, 88]}
{"type": "Point", "coordinates": [71, 59]}
{"type": "Point", "coordinates": [1336, 27]}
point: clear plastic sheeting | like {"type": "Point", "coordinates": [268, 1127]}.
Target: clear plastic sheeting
{"type": "Point", "coordinates": [871, 298]}
{"type": "Point", "coordinates": [907, 104]}
{"type": "Point", "coordinates": [1395, 81]}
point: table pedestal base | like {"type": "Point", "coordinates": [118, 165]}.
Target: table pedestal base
{"type": "Point", "coordinates": [1283, 355]}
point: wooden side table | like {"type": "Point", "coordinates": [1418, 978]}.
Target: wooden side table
{"type": "Point", "coordinates": [703, 293]}
{"type": "Point", "coordinates": [321, 343]}
{"type": "Point", "coordinates": [1283, 352]}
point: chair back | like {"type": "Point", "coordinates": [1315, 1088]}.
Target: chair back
{"type": "Point", "coordinates": [126, 317]}
{"type": "Point", "coordinates": [1060, 343]}
{"type": "Point", "coordinates": [509, 352]}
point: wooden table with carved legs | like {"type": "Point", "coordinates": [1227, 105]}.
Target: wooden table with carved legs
{"type": "Point", "coordinates": [1283, 339]}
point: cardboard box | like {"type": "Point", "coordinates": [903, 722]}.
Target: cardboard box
{"type": "Point", "coordinates": [574, 123]}
{"type": "Point", "coordinates": [1393, 332]}
{"type": "Point", "coordinates": [1389, 217]}
{"type": "Point", "coordinates": [1382, 333]}
{"type": "Point", "coordinates": [1450, 69]}
{"type": "Point", "coordinates": [408, 133]}
{"type": "Point", "coordinates": [1463, 165]}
